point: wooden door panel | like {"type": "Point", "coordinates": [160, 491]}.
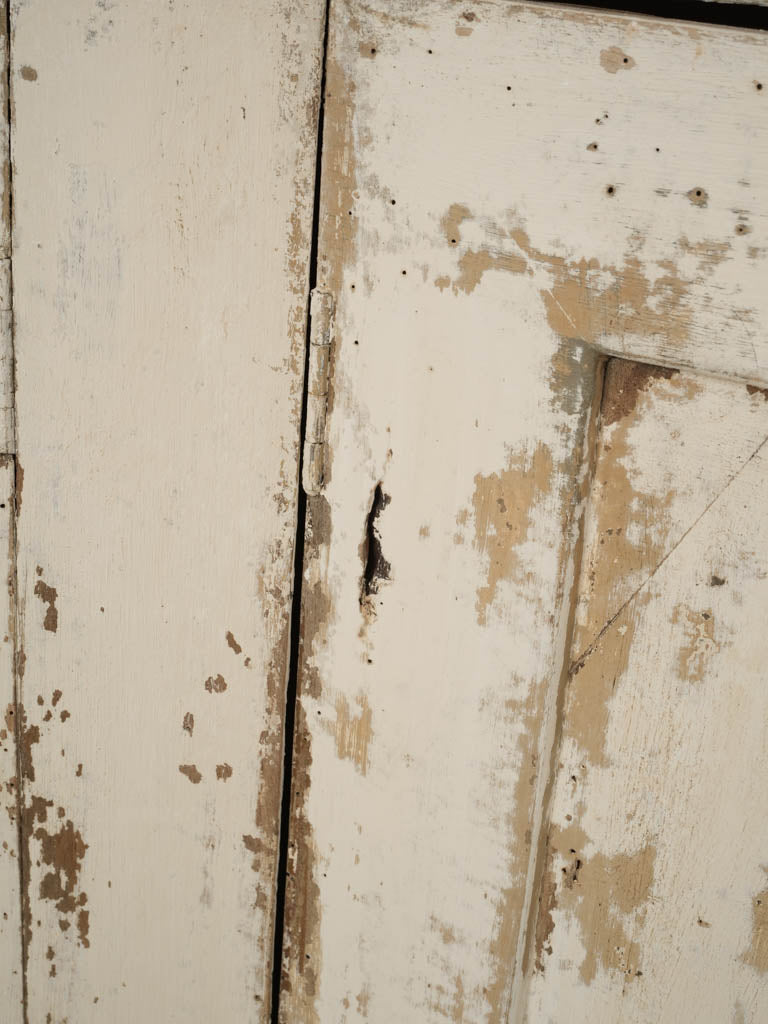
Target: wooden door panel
{"type": "Point", "coordinates": [654, 876]}
{"type": "Point", "coordinates": [163, 161]}
{"type": "Point", "coordinates": [509, 193]}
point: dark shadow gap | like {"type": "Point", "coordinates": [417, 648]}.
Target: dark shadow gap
{"type": "Point", "coordinates": [291, 692]}
{"type": "Point", "coordinates": [736, 15]}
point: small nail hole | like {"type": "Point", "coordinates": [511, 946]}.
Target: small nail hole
{"type": "Point", "coordinates": [610, 190]}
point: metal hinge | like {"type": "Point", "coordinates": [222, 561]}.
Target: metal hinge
{"type": "Point", "coordinates": [320, 338]}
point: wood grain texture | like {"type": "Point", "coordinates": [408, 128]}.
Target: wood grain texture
{"type": "Point", "coordinates": [509, 193]}
{"type": "Point", "coordinates": [163, 166]}
{"type": "Point", "coordinates": [653, 893]}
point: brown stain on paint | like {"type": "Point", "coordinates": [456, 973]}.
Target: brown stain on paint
{"type": "Point", "coordinates": [215, 684]}
{"type": "Point", "coordinates": [353, 733]}
{"type": "Point", "coordinates": [503, 506]}
{"type": "Point", "coordinates": [700, 642]}
{"type": "Point", "coordinates": [191, 772]}
{"type": "Point", "coordinates": [757, 954]}
{"type": "Point", "coordinates": [48, 596]}
{"type": "Point", "coordinates": [752, 390]}
{"type": "Point", "coordinates": [28, 73]}
{"type": "Point", "coordinates": [223, 772]}
{"type": "Point", "coordinates": [614, 59]}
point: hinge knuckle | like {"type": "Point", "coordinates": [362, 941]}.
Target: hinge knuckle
{"type": "Point", "coordinates": [318, 374]}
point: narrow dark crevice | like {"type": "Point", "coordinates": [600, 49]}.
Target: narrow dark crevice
{"type": "Point", "coordinates": [292, 688]}
{"type": "Point", "coordinates": [375, 565]}
{"type": "Point", "coordinates": [13, 575]}
{"type": "Point", "coordinates": [734, 14]}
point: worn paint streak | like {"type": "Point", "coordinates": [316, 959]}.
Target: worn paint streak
{"type": "Point", "coordinates": [757, 954]}
{"type": "Point", "coordinates": [339, 221]}
{"type": "Point", "coordinates": [503, 506]}
{"type": "Point", "coordinates": [188, 723]}
{"type": "Point", "coordinates": [353, 733]}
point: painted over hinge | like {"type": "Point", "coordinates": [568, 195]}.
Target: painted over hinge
{"type": "Point", "coordinates": [320, 338]}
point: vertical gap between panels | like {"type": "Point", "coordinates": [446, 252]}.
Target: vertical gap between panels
{"type": "Point", "coordinates": [15, 507]}
{"type": "Point", "coordinates": [291, 693]}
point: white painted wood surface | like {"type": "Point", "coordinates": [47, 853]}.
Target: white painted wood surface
{"type": "Point", "coordinates": [163, 177]}
{"type": "Point", "coordinates": [508, 191]}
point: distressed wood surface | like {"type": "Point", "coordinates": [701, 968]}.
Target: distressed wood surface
{"type": "Point", "coordinates": [509, 193]}
{"type": "Point", "coordinates": [654, 892]}
{"type": "Point", "coordinates": [163, 161]}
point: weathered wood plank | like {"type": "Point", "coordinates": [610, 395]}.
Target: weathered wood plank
{"type": "Point", "coordinates": [507, 191]}
{"type": "Point", "coordinates": [653, 892]}
{"type": "Point", "coordinates": [163, 169]}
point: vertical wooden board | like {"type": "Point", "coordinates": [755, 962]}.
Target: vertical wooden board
{"type": "Point", "coordinates": [163, 168]}
{"type": "Point", "coordinates": [654, 889]}
{"type": "Point", "coordinates": [480, 252]}
{"type": "Point", "coordinates": [437, 576]}
{"type": "Point", "coordinates": [11, 998]}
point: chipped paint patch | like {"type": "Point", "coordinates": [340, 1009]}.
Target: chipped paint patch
{"type": "Point", "coordinates": [223, 772]}
{"type": "Point", "coordinates": [48, 596]}
{"type": "Point", "coordinates": [605, 894]}
{"type": "Point", "coordinates": [614, 59]}
{"type": "Point", "coordinates": [191, 772]}
{"type": "Point", "coordinates": [215, 684]}
{"type": "Point", "coordinates": [503, 505]}
{"type": "Point", "coordinates": [232, 643]}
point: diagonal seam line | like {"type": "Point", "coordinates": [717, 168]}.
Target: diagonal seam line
{"type": "Point", "coordinates": [579, 662]}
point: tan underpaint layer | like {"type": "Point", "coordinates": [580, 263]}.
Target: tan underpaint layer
{"type": "Point", "coordinates": [160, 301]}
